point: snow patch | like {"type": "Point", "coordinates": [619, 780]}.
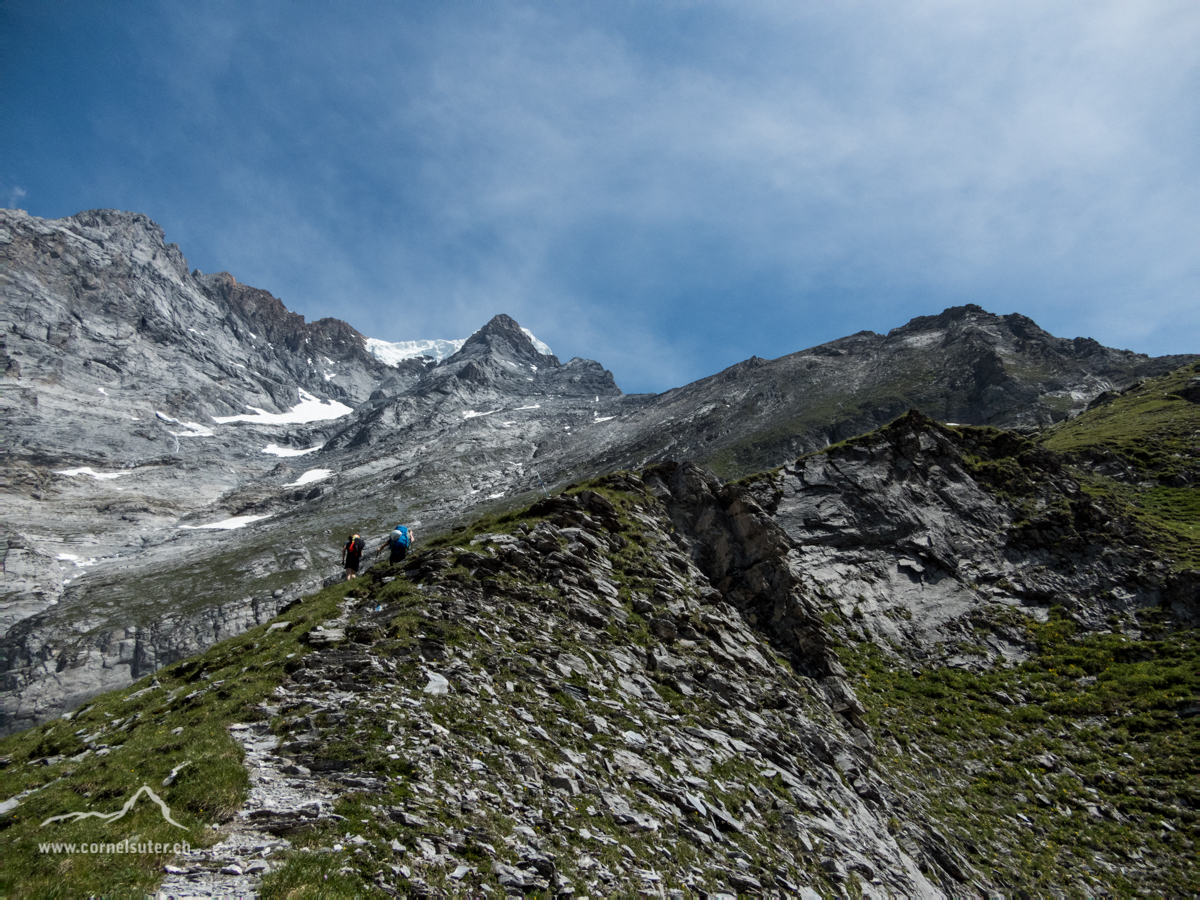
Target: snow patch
{"type": "Point", "coordinates": [227, 524]}
{"type": "Point", "coordinates": [495, 496]}
{"type": "Point", "coordinates": [193, 430]}
{"type": "Point", "coordinates": [538, 345]}
{"type": "Point", "coordinates": [471, 414]}
{"type": "Point", "coordinates": [393, 354]}
{"type": "Point", "coordinates": [604, 418]}
{"type": "Point", "coordinates": [88, 470]}
{"type": "Point", "coordinates": [535, 406]}
{"type": "Point", "coordinates": [310, 476]}
{"type": "Point", "coordinates": [276, 450]}
{"type": "Point", "coordinates": [309, 409]}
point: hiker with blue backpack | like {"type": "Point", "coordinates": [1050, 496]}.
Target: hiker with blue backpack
{"type": "Point", "coordinates": [398, 543]}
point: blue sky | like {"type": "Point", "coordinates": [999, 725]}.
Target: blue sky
{"type": "Point", "coordinates": [666, 187]}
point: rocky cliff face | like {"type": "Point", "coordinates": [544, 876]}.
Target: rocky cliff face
{"type": "Point", "coordinates": [148, 409]}
{"type": "Point", "coordinates": [902, 531]}
{"type": "Point", "coordinates": [117, 361]}
{"type": "Point", "coordinates": [965, 366]}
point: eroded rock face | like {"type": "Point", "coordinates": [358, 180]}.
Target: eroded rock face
{"type": "Point", "coordinates": [746, 556]}
{"type": "Point", "coordinates": [902, 534]}
{"type": "Point", "coordinates": [51, 669]}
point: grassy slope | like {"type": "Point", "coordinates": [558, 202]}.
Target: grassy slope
{"type": "Point", "coordinates": [1154, 434]}
{"type": "Point", "coordinates": [149, 731]}
{"type": "Point", "coordinates": [1072, 771]}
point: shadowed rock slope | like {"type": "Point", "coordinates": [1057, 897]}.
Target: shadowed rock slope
{"type": "Point", "coordinates": [966, 366]}
{"type": "Point", "coordinates": [866, 673]}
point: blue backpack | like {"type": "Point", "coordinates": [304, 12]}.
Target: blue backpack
{"type": "Point", "coordinates": [400, 536]}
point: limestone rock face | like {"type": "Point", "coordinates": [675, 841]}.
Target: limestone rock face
{"type": "Point", "coordinates": [895, 533]}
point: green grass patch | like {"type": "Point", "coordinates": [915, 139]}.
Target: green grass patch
{"type": "Point", "coordinates": [174, 720]}
{"type": "Point", "coordinates": [1151, 427]}
{"type": "Point", "coordinates": [1084, 754]}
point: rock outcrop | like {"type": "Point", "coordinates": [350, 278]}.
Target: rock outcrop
{"type": "Point", "coordinates": [917, 532]}
{"type": "Point", "coordinates": [616, 702]}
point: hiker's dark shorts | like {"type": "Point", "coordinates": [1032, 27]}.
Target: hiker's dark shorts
{"type": "Point", "coordinates": [352, 563]}
{"type": "Point", "coordinates": [398, 554]}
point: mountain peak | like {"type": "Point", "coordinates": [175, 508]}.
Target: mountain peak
{"type": "Point", "coordinates": [504, 337]}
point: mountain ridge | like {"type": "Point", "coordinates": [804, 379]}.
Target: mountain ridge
{"type": "Point", "coordinates": [97, 306]}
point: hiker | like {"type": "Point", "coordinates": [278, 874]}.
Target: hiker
{"type": "Point", "coordinates": [398, 542]}
{"type": "Point", "coordinates": [352, 552]}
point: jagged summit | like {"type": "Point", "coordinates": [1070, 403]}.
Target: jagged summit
{"type": "Point", "coordinates": [499, 351]}
{"type": "Point", "coordinates": [503, 338]}
{"type": "Point", "coordinates": [257, 315]}
{"type": "Point", "coordinates": [503, 360]}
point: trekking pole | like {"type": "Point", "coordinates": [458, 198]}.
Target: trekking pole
{"type": "Point", "coordinates": [542, 483]}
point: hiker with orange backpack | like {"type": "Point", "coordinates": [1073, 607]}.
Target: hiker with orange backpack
{"type": "Point", "coordinates": [352, 552]}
